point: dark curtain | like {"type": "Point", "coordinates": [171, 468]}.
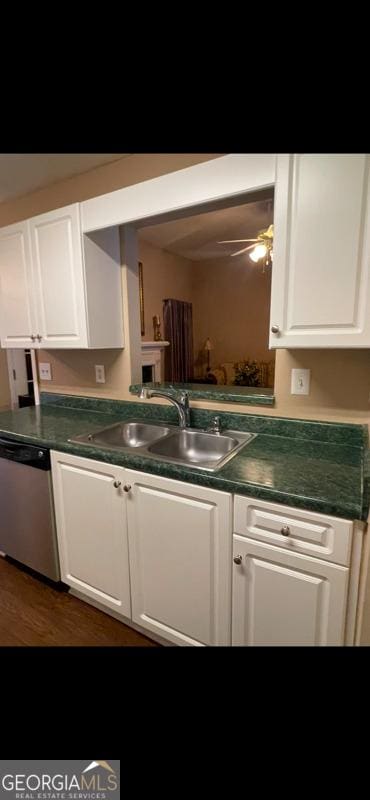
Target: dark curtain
{"type": "Point", "coordinates": [178, 331]}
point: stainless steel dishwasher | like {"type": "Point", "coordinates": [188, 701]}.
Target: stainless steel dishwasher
{"type": "Point", "coordinates": [27, 527]}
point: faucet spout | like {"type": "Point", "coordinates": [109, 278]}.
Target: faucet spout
{"type": "Point", "coordinates": [181, 404]}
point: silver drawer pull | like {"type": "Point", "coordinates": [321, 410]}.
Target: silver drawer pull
{"type": "Point", "coordinates": [238, 559]}
{"type": "Point", "coordinates": [285, 530]}
{"type": "Point", "coordinates": [116, 484]}
{"type": "Point", "coordinates": [127, 488]}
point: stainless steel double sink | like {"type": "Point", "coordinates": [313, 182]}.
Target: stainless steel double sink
{"type": "Point", "coordinates": [187, 446]}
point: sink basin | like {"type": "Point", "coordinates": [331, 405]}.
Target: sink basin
{"type": "Point", "coordinates": [189, 446]}
{"type": "Point", "coordinates": [200, 449]}
{"type": "Point", "coordinates": [194, 447]}
{"type": "Point", "coordinates": [125, 434]}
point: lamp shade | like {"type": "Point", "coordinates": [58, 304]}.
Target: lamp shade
{"type": "Point", "coordinates": [208, 345]}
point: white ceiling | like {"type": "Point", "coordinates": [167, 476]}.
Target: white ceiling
{"type": "Point", "coordinates": [196, 237]}
{"type": "Point", "coordinates": [21, 173]}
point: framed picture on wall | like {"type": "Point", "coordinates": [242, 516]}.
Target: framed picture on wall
{"type": "Point", "coordinates": [141, 295]}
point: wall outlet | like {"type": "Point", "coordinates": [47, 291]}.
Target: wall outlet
{"type": "Point", "coordinates": [300, 381]}
{"type": "Point", "coordinates": [99, 373]}
{"type": "Point", "coordinates": [45, 372]}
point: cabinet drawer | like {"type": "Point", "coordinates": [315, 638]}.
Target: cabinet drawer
{"type": "Point", "coordinates": [295, 530]}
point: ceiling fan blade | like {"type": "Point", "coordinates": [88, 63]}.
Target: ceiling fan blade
{"type": "Point", "coordinates": [233, 241]}
{"type": "Point", "coordinates": [238, 253]}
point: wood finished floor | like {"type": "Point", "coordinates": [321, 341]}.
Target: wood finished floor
{"type": "Point", "coordinates": [34, 613]}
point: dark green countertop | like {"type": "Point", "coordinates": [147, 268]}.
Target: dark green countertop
{"type": "Point", "coordinates": [247, 395]}
{"type": "Point", "coordinates": [329, 476]}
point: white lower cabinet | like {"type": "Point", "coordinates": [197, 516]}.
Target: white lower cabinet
{"type": "Point", "coordinates": [180, 540]}
{"type": "Point", "coordinates": [280, 598]}
{"type": "Point", "coordinates": [92, 529]}
{"type": "Point", "coordinates": [161, 552]}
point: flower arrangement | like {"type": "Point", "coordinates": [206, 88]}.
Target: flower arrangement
{"type": "Point", "coordinates": [246, 373]}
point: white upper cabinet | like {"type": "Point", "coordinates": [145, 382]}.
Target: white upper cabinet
{"type": "Point", "coordinates": [17, 309]}
{"type": "Point", "coordinates": [58, 287]}
{"type": "Point", "coordinates": [320, 295]}
{"type": "Point", "coordinates": [59, 278]}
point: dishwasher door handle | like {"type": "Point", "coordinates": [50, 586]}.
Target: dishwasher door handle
{"type": "Point", "coordinates": [22, 452]}
{"type": "Point", "coordinates": [11, 444]}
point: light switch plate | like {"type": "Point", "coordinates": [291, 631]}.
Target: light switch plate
{"type": "Point", "coordinates": [45, 372]}
{"type": "Point", "coordinates": [300, 381]}
{"type": "Point", "coordinates": [99, 373]}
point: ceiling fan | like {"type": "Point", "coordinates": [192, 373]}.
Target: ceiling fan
{"type": "Point", "coordinates": [261, 247]}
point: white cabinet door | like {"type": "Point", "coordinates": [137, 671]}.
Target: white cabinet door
{"type": "Point", "coordinates": [284, 599]}
{"type": "Point", "coordinates": [92, 529]}
{"type": "Point", "coordinates": [17, 310]}
{"type": "Point", "coordinates": [59, 278]}
{"type": "Point", "coordinates": [180, 559]}
{"type": "Point", "coordinates": [320, 295]}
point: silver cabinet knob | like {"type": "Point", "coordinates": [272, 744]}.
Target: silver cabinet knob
{"type": "Point", "coordinates": [127, 488]}
{"type": "Point", "coordinates": [39, 337]}
{"type": "Point", "coordinates": [33, 337]}
{"type": "Point", "coordinates": [285, 530]}
{"type": "Point", "coordinates": [275, 329]}
{"type": "Point", "coordinates": [116, 484]}
{"type": "Point", "coordinates": [238, 559]}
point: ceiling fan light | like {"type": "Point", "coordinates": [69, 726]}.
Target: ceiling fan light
{"type": "Point", "coordinates": [259, 251]}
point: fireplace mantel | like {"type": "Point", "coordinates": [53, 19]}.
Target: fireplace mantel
{"type": "Point", "coordinates": [159, 345]}
{"type": "Point", "coordinates": [151, 357]}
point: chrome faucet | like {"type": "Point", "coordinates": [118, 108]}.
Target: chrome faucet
{"type": "Point", "coordinates": [182, 403]}
{"type": "Point", "coordinates": [215, 426]}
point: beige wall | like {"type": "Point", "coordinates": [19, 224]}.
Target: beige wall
{"type": "Point", "coordinates": [340, 378]}
{"type": "Point", "coordinates": [231, 306]}
{"type": "Point", "coordinates": [164, 275]}
{"type": "Point", "coordinates": [340, 382]}
{"type": "Point", "coordinates": [4, 382]}
{"type": "Point", "coordinates": [339, 390]}
{"type": "Point", "coordinates": [231, 303]}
